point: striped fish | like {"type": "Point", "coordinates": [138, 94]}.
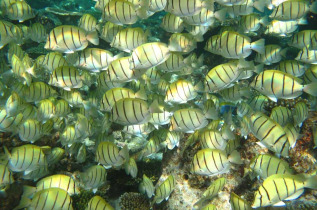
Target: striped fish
{"type": "Point", "coordinates": [100, 4]}
{"type": "Point", "coordinates": [230, 44]}
{"type": "Point", "coordinates": [94, 177]}
{"type": "Point", "coordinates": [60, 181]}
{"type": "Point", "coordinates": [311, 74]}
{"type": "Point", "coordinates": [68, 39]}
{"type": "Point", "coordinates": [149, 55]}
{"type": "Point", "coordinates": [279, 187]}
{"type": "Point", "coordinates": [157, 5]}
{"type": "Point", "coordinates": [153, 145]}
{"type": "Point", "coordinates": [66, 77]}
{"type": "Point", "coordinates": [235, 93]}
{"type": "Point", "coordinates": [205, 17]}
{"type": "Point", "coordinates": [74, 98]}
{"type": "Point", "coordinates": [242, 9]}
{"type": "Point", "coordinates": [46, 110]}
{"type": "Point", "coordinates": [121, 12]}
{"type": "Point", "coordinates": [212, 162]}
{"type": "Point", "coordinates": [230, 2]}
{"type": "Point", "coordinates": [120, 71]}
{"type": "Point", "coordinates": [188, 120]}
{"type": "Point", "coordinates": [232, 145]}
{"type": "Point", "coordinates": [55, 155]}
{"type": "Point", "coordinates": [272, 54]}
{"type": "Point", "coordinates": [292, 132]}
{"type": "Point", "coordinates": [146, 186]}
{"type": "Point", "coordinates": [38, 91]}
{"type": "Point", "coordinates": [252, 22]}
{"type": "Point", "coordinates": [108, 155]}
{"type": "Point", "coordinates": [87, 22]}
{"type": "Point", "coordinates": [270, 134]}
{"type": "Point", "coordinates": [38, 33]}
{"type": "Point", "coordinates": [98, 202]}
{"type": "Point", "coordinates": [212, 139]}
{"type": "Point", "coordinates": [279, 85]}
{"type": "Point", "coordinates": [164, 190]}
{"type": "Point", "coordinates": [307, 55]}
{"type": "Point", "coordinates": [68, 136]}
{"type": "Point", "coordinates": [141, 130]}
{"type": "Point", "coordinates": [129, 38]}
{"type": "Point", "coordinates": [62, 108]}
{"type": "Point", "coordinates": [53, 60]}
{"type": "Point", "coordinates": [282, 28]}
{"type": "Point", "coordinates": [52, 198]}
{"type": "Point", "coordinates": [175, 62]}
{"type": "Point", "coordinates": [109, 31]}
{"type": "Point", "coordinates": [182, 8]}
{"type": "Point", "coordinates": [9, 124]}
{"type": "Point", "coordinates": [237, 203]}
{"type": "Point", "coordinates": [20, 10]}
{"type": "Point", "coordinates": [182, 42]}
{"type": "Point", "coordinates": [258, 103]}
{"type": "Point", "coordinates": [181, 91]}
{"type": "Point", "coordinates": [281, 115]}
{"type": "Point", "coordinates": [244, 109]}
{"type": "Point", "coordinates": [30, 131]}
{"type": "Point", "coordinates": [6, 177]}
{"type": "Point", "coordinates": [13, 104]}
{"type": "Point", "coordinates": [267, 165]}
{"type": "Point", "coordinates": [172, 23]}
{"type": "Point", "coordinates": [26, 158]}
{"type": "Point", "coordinates": [131, 168]}
{"type": "Point", "coordinates": [130, 111]}
{"type": "Point", "coordinates": [292, 67]}
{"type": "Point", "coordinates": [20, 70]}
{"type": "Point", "coordinates": [94, 59]}
{"type": "Point", "coordinates": [290, 10]}
{"type": "Point", "coordinates": [172, 139]}
{"type": "Point", "coordinates": [221, 77]}
{"type": "Point", "coordinates": [302, 39]}
{"type": "Point", "coordinates": [6, 32]}
{"type": "Point", "coordinates": [300, 113]}
{"type": "Point", "coordinates": [214, 188]}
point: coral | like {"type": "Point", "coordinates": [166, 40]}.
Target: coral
{"type": "Point", "coordinates": [133, 201]}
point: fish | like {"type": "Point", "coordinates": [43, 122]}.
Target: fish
{"type": "Point", "coordinates": [183, 8]}
{"type": "Point", "coordinates": [235, 93]}
{"type": "Point", "coordinates": [109, 31]}
{"type": "Point", "coordinates": [175, 62]}
{"type": "Point", "coordinates": [276, 85]}
{"type": "Point", "coordinates": [53, 60]}
{"type": "Point", "coordinates": [6, 32]}
{"type": "Point", "coordinates": [62, 108]}
{"type": "Point", "coordinates": [88, 22]}
{"type": "Point", "coordinates": [205, 17]}
{"type": "Point", "coordinates": [20, 70]}
{"type": "Point", "coordinates": [20, 10]}
{"type": "Point", "coordinates": [98, 202]}
{"type": "Point", "coordinates": [258, 103]}
{"type": "Point", "coordinates": [246, 8]}
{"type": "Point", "coordinates": [131, 168]}
{"type": "Point", "coordinates": [129, 38]}
{"type": "Point", "coordinates": [182, 42]}
{"type": "Point", "coordinates": [100, 4]}
{"type": "Point", "coordinates": [302, 38]}
{"type": "Point", "coordinates": [265, 165]}
{"type": "Point", "coordinates": [26, 158]}
{"type": "Point", "coordinates": [281, 115]}
{"type": "Point", "coordinates": [279, 187]}
{"type": "Point", "coordinates": [238, 203]}
{"type": "Point", "coordinates": [14, 104]}
{"type": "Point", "coordinates": [149, 55]}
{"type": "Point", "coordinates": [300, 113]}
{"type": "Point", "coordinates": [232, 145]}
{"type": "Point", "coordinates": [307, 55]}
{"type": "Point", "coordinates": [172, 139]}
{"type": "Point", "coordinates": [244, 109]}
{"type": "Point", "coordinates": [209, 207]}
{"type": "Point", "coordinates": [55, 198]}
{"type": "Point", "coordinates": [214, 188]}
{"type": "Point", "coordinates": [6, 178]}
{"type": "Point", "coordinates": [270, 134]}
{"type": "Point", "coordinates": [38, 91]}
{"type": "Point", "coordinates": [55, 155]}
{"type": "Point", "coordinates": [9, 124]}
{"type": "Point", "coordinates": [46, 110]}
{"type": "Point", "coordinates": [93, 177]}
{"type": "Point", "coordinates": [146, 186]}
{"type": "Point", "coordinates": [74, 98]}
{"type": "Point", "coordinates": [141, 130]}
{"type": "Point", "coordinates": [124, 12]}
{"type": "Point", "coordinates": [212, 162]}
{"type": "Point", "coordinates": [182, 91]}
{"type": "Point", "coordinates": [188, 120]}
{"type": "Point", "coordinates": [252, 22]}
{"type": "Point", "coordinates": [212, 139]}
{"type": "Point", "coordinates": [153, 145]}
{"type": "Point", "coordinates": [66, 77]}
{"type": "Point", "coordinates": [283, 28]}
{"type": "Point", "coordinates": [310, 75]}
{"type": "Point", "coordinates": [68, 39]}
{"type": "Point", "coordinates": [164, 190]}
{"type": "Point", "coordinates": [38, 33]}
{"type": "Point", "coordinates": [293, 67]}
{"type": "Point", "coordinates": [30, 130]}
{"type": "Point", "coordinates": [172, 23]}
{"type": "Point", "coordinates": [271, 55]}
{"type": "Point", "coordinates": [108, 155]}
{"type": "Point", "coordinates": [220, 45]}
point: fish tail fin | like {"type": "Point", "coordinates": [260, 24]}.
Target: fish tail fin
{"type": "Point", "coordinates": [311, 89]}
{"type": "Point", "coordinates": [311, 182]}
{"type": "Point", "coordinates": [313, 7]}
{"type": "Point", "coordinates": [258, 46]}
{"type": "Point", "coordinates": [260, 5]}
{"type": "Point", "coordinates": [28, 191]}
{"type": "Point", "coordinates": [141, 94]}
{"type": "Point", "coordinates": [124, 152]}
{"type": "Point", "coordinates": [235, 157]}
{"type": "Point", "coordinates": [221, 14]}
{"type": "Point", "coordinates": [93, 38]}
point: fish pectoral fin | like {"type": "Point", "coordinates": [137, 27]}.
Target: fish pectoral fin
{"type": "Point", "coordinates": [295, 195]}
{"type": "Point", "coordinates": [281, 203]}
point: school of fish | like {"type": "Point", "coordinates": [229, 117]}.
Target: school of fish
{"type": "Point", "coordinates": [163, 91]}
